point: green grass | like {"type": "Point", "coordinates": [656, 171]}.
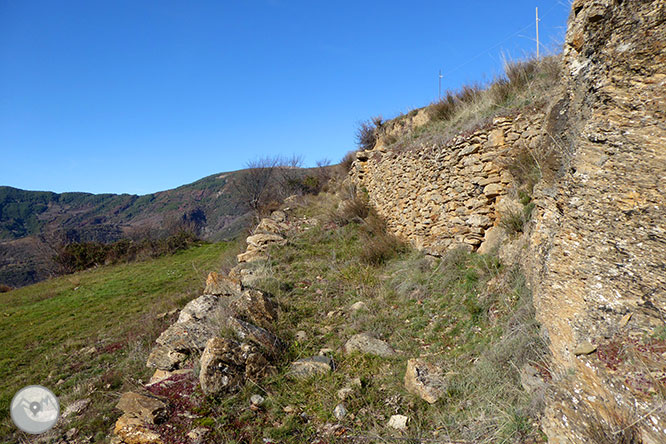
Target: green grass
{"type": "Point", "coordinates": [467, 312]}
{"type": "Point", "coordinates": [46, 328]}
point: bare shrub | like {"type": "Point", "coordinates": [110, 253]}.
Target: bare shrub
{"type": "Point", "coordinates": [368, 133]}
{"type": "Point", "coordinates": [445, 108]}
{"type": "Point", "coordinates": [347, 161]}
{"type": "Point", "coordinates": [354, 209]}
{"type": "Point", "coordinates": [469, 93]}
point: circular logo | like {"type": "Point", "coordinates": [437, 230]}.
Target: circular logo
{"type": "Point", "coordinates": [35, 409]}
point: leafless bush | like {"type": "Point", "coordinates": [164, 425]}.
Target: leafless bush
{"type": "Point", "coordinates": [347, 161]}
{"type": "Point", "coordinates": [368, 133]}
{"type": "Point", "coordinates": [445, 108]}
{"type": "Point", "coordinates": [354, 209]}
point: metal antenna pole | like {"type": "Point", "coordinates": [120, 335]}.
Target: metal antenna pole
{"type": "Point", "coordinates": [537, 31]}
{"type": "Point", "coordinates": [439, 96]}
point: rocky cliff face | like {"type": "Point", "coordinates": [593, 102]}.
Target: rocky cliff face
{"type": "Point", "coordinates": [595, 250]}
{"type": "Point", "coordinates": [600, 233]}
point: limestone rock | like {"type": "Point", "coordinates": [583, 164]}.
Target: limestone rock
{"type": "Point", "coordinates": [199, 320]}
{"type": "Point", "coordinates": [165, 358]}
{"type": "Point", "coordinates": [162, 375]}
{"type": "Point", "coordinates": [260, 336]}
{"type": "Point", "coordinates": [398, 422]}
{"type": "Point", "coordinates": [368, 344]}
{"type": "Point", "coordinates": [250, 277]}
{"type": "Point", "coordinates": [222, 366]}
{"type": "Point", "coordinates": [340, 411]}
{"type": "Point", "coordinates": [496, 137]}
{"type": "Point", "coordinates": [262, 240]}
{"type": "Point", "coordinates": [149, 410]}
{"type": "Point", "coordinates": [217, 284]}
{"type": "Point", "coordinates": [492, 190]}
{"type": "Point", "coordinates": [251, 256]}
{"type": "Point", "coordinates": [133, 431]}
{"type": "Point", "coordinates": [492, 239]}
{"type": "Point", "coordinates": [279, 216]}
{"type": "Point", "coordinates": [584, 348]}
{"type": "Point", "coordinates": [308, 367]}
{"type": "Point", "coordinates": [270, 226]}
{"type": "Point", "coordinates": [425, 380]}
{"type": "Point", "coordinates": [257, 307]}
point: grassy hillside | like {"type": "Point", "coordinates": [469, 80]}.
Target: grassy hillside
{"type": "Point", "coordinates": [34, 223]}
{"type": "Point", "coordinates": [87, 335]}
{"type": "Point", "coordinates": [467, 313]}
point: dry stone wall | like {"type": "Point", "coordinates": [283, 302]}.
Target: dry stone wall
{"type": "Point", "coordinates": [443, 197]}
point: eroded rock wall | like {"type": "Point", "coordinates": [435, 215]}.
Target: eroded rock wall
{"type": "Point", "coordinates": [600, 234]}
{"type": "Point", "coordinates": [596, 256]}
{"type": "Point", "coordinates": [443, 197]}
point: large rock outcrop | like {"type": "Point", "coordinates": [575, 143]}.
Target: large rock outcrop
{"type": "Point", "coordinates": [600, 233]}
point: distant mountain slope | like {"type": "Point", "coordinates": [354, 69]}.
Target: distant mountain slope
{"type": "Point", "coordinates": [106, 217]}
{"type": "Point", "coordinates": [32, 223]}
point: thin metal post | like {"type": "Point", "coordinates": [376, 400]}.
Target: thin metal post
{"type": "Point", "coordinates": [439, 95]}
{"type": "Point", "coordinates": [537, 31]}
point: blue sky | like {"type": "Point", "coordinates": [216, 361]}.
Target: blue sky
{"type": "Point", "coordinates": [141, 96]}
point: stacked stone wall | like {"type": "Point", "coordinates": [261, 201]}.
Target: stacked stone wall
{"type": "Point", "coordinates": [444, 197]}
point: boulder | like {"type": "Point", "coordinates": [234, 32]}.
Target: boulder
{"type": "Point", "coordinates": [268, 225]}
{"type": "Point", "coordinates": [368, 344]}
{"type": "Point", "coordinates": [257, 335]}
{"type": "Point", "coordinates": [425, 380]}
{"type": "Point", "coordinates": [165, 358]}
{"type": "Point", "coordinates": [199, 320]}
{"type": "Point", "coordinates": [222, 366]}
{"type": "Point", "coordinates": [257, 307]}
{"type": "Point", "coordinates": [149, 410]}
{"type": "Point", "coordinates": [203, 308]}
{"type": "Point", "coordinates": [217, 284]}
{"type": "Point", "coordinates": [251, 256]}
{"type": "Point", "coordinates": [308, 367]}
{"type": "Point", "coordinates": [262, 240]}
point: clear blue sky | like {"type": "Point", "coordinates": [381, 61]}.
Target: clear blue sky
{"type": "Point", "coordinates": [139, 96]}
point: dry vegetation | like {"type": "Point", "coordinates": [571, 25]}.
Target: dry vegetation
{"type": "Point", "coordinates": [466, 312]}
{"type": "Point", "coordinates": [525, 83]}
